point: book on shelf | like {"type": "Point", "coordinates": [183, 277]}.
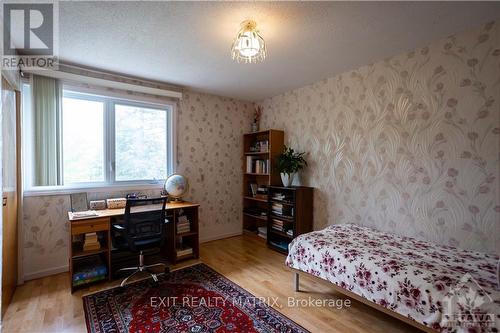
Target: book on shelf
{"type": "Point", "coordinates": [91, 242]}
{"type": "Point", "coordinates": [282, 210]}
{"type": "Point", "coordinates": [184, 251]}
{"type": "Point", "coordinates": [255, 165]}
{"type": "Point", "coordinates": [277, 225]}
{"type": "Point", "coordinates": [183, 228]}
{"type": "Point", "coordinates": [183, 224]}
{"type": "Point", "coordinates": [262, 190]}
{"type": "Point", "coordinates": [280, 244]}
{"type": "Point", "coordinates": [253, 189]}
{"type": "Point", "coordinates": [260, 146]}
{"type": "Point", "coordinates": [279, 197]}
{"type": "Point", "coordinates": [249, 164]}
{"type": "Point", "coordinates": [84, 214]}
{"type": "Point", "coordinates": [89, 270]}
{"type": "Point", "coordinates": [262, 232]}
{"type": "Point", "coordinates": [258, 192]}
{"type": "Point", "coordinates": [261, 196]}
{"type": "Point", "coordinates": [264, 146]}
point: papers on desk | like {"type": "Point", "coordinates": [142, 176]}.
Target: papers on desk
{"type": "Point", "coordinates": [84, 214]}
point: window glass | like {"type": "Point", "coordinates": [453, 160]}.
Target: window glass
{"type": "Point", "coordinates": [140, 143]}
{"type": "Point", "coordinates": [83, 140]}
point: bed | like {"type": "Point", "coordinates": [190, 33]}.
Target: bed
{"type": "Point", "coordinates": [432, 287]}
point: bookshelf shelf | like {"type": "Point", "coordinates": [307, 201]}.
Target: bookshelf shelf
{"type": "Point", "coordinates": [258, 217]}
{"type": "Point", "coordinates": [255, 199]}
{"type": "Point", "coordinates": [283, 217]}
{"type": "Point", "coordinates": [251, 153]}
{"type": "Point", "coordinates": [186, 256]}
{"type": "Point", "coordinates": [186, 234]}
{"type": "Point", "coordinates": [281, 233]}
{"type": "Point", "coordinates": [283, 202]}
{"type": "Point", "coordinates": [278, 248]}
{"type": "Point", "coordinates": [260, 152]}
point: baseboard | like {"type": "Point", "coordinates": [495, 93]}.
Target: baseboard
{"type": "Point", "coordinates": [220, 236]}
{"type": "Point", "coordinates": [46, 272]}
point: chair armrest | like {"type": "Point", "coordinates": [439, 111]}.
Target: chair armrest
{"type": "Point", "coordinates": [118, 227]}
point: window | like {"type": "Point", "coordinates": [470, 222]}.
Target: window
{"type": "Point", "coordinates": [140, 136]}
{"type": "Point", "coordinates": [83, 140]}
{"type": "Point", "coordinates": [109, 141]}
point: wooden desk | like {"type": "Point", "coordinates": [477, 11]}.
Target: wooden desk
{"type": "Point", "coordinates": [105, 218]}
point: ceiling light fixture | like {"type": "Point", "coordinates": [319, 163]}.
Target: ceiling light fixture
{"type": "Point", "coordinates": [249, 46]}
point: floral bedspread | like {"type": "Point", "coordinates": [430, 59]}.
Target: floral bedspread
{"type": "Point", "coordinates": [445, 288]}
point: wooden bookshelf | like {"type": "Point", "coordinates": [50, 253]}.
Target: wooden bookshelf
{"type": "Point", "coordinates": [296, 215]}
{"type": "Point", "coordinates": [252, 206]}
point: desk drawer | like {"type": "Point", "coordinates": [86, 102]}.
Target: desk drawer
{"type": "Point", "coordinates": [93, 225]}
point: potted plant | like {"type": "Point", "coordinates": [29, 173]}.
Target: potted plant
{"type": "Point", "coordinates": [289, 163]}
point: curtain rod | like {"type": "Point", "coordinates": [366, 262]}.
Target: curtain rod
{"type": "Point", "coordinates": [105, 83]}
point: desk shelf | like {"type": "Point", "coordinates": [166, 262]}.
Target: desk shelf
{"type": "Point", "coordinates": [189, 238]}
{"type": "Point", "coordinates": [99, 225]}
{"type": "Point", "coordinates": [83, 254]}
{"type": "Point", "coordinates": [187, 234]}
{"type": "Point", "coordinates": [186, 257]}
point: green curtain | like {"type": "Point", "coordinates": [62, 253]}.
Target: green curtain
{"type": "Point", "coordinates": [46, 107]}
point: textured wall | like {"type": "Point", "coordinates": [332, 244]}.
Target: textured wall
{"type": "Point", "coordinates": [209, 144]}
{"type": "Point", "coordinates": [409, 144]}
{"type": "Point", "coordinates": [210, 141]}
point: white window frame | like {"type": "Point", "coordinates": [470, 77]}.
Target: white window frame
{"type": "Point", "coordinates": [110, 181]}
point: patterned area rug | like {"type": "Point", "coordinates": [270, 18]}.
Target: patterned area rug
{"type": "Point", "coordinates": [194, 299]}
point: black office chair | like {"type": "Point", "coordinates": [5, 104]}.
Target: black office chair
{"type": "Point", "coordinates": [141, 231]}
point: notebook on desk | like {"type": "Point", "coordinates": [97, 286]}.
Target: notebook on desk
{"type": "Point", "coordinates": [84, 214]}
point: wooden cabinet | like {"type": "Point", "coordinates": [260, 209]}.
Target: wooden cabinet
{"type": "Point", "coordinates": [10, 194]}
{"type": "Point", "coordinates": [290, 214]}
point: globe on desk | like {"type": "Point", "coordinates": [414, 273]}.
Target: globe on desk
{"type": "Point", "coordinates": [176, 186]}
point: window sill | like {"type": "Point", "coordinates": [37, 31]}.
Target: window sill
{"type": "Point", "coordinates": [62, 190]}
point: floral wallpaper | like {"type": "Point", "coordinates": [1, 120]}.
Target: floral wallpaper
{"type": "Point", "coordinates": [209, 146]}
{"type": "Point", "coordinates": [210, 140]}
{"type": "Point", "coordinates": [410, 144]}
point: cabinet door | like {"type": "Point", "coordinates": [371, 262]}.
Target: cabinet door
{"type": "Point", "coordinates": [9, 193]}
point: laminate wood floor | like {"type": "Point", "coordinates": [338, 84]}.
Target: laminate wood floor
{"type": "Point", "coordinates": [47, 305]}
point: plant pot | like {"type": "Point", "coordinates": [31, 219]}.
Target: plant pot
{"type": "Point", "coordinates": [287, 178]}
{"type": "Point", "coordinates": [255, 127]}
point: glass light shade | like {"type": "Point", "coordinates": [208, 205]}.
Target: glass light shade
{"type": "Point", "coordinates": [249, 46]}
